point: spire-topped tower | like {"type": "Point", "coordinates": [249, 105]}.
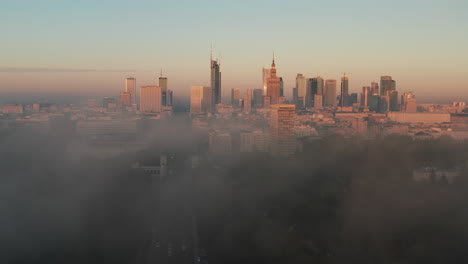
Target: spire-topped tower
{"type": "Point", "coordinates": [273, 84]}
{"type": "Point", "coordinates": [215, 80]}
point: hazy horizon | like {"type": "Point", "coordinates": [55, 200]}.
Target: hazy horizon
{"type": "Point", "coordinates": [420, 44]}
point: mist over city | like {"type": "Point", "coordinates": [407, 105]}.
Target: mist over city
{"type": "Point", "coordinates": [233, 132]}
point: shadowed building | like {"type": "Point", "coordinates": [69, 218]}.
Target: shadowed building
{"type": "Point", "coordinates": [282, 137]}
{"type": "Point", "coordinates": [215, 82]}
{"type": "Point", "coordinates": [130, 87]}
{"type": "Point", "coordinates": [330, 93]}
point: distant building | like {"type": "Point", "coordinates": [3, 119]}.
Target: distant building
{"type": "Point", "coordinates": [344, 92]}
{"type": "Point", "coordinates": [200, 99]}
{"type": "Point", "coordinates": [330, 93]}
{"type": "Point", "coordinates": [393, 100]}
{"type": "Point", "coordinates": [273, 85]}
{"type": "Point", "coordinates": [265, 76]}
{"type": "Point", "coordinates": [384, 104]}
{"type": "Point", "coordinates": [266, 102]}
{"type": "Point", "coordinates": [352, 99]}
{"type": "Point", "coordinates": [435, 175]}
{"type": "Point", "coordinates": [258, 98]}
{"type": "Point", "coordinates": [282, 129]}
{"type": "Point", "coordinates": [220, 142]}
{"type": "Point", "coordinates": [256, 141]}
{"type": "Point", "coordinates": [301, 86]}
{"type": "Point", "coordinates": [109, 102]}
{"type": "Point", "coordinates": [151, 99]}
{"type": "Point", "coordinates": [408, 103]}
{"type": "Point", "coordinates": [387, 84]}
{"type": "Point", "coordinates": [12, 109]}
{"type": "Point", "coordinates": [366, 93]}
{"type": "Point", "coordinates": [215, 82]}
{"type": "Point", "coordinates": [318, 98]}
{"type": "Point", "coordinates": [422, 118]}
{"type": "Point", "coordinates": [125, 98]}
{"type": "Point", "coordinates": [248, 101]}
{"type": "Point", "coordinates": [130, 87]}
{"type": "Point", "coordinates": [374, 88]}
{"type": "Point", "coordinates": [164, 90]}
{"type": "Point", "coordinates": [235, 97]}
{"type": "Point", "coordinates": [314, 86]}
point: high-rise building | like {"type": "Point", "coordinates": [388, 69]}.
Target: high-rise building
{"type": "Point", "coordinates": [273, 85]}
{"type": "Point", "coordinates": [283, 139]}
{"type": "Point", "coordinates": [393, 100]}
{"type": "Point", "coordinates": [352, 99]}
{"type": "Point", "coordinates": [130, 87]}
{"type": "Point", "coordinates": [200, 99]}
{"type": "Point", "coordinates": [318, 99]}
{"type": "Point", "coordinates": [169, 97]}
{"type": "Point", "coordinates": [408, 103]}
{"type": "Point", "coordinates": [281, 86]}
{"type": "Point", "coordinates": [215, 82]}
{"type": "Point", "coordinates": [265, 76]}
{"type": "Point", "coordinates": [235, 97]}
{"type": "Point", "coordinates": [374, 88]}
{"type": "Point", "coordinates": [301, 86]}
{"type": "Point", "coordinates": [387, 84]}
{"type": "Point", "coordinates": [125, 98]}
{"type": "Point", "coordinates": [266, 102]}
{"type": "Point", "coordinates": [330, 93]}
{"type": "Point", "coordinates": [315, 86]}
{"type": "Point", "coordinates": [384, 104]}
{"type": "Point", "coordinates": [258, 98]}
{"type": "Point", "coordinates": [164, 89]}
{"type": "Point", "coordinates": [248, 101]}
{"type": "Point", "coordinates": [344, 101]}
{"type": "Point", "coordinates": [150, 99]}
{"type": "Point", "coordinates": [366, 93]}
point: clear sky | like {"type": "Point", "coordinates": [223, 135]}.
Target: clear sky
{"type": "Point", "coordinates": [90, 46]}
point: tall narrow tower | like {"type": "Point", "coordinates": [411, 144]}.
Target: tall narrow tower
{"type": "Point", "coordinates": [215, 81]}
{"type": "Point", "coordinates": [273, 84]}
{"type": "Point", "coordinates": [130, 87]}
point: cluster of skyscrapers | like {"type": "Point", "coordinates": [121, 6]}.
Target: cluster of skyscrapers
{"type": "Point", "coordinates": [153, 98]}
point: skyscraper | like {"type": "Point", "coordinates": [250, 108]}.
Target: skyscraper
{"type": "Point", "coordinates": [282, 129]}
{"type": "Point", "coordinates": [374, 88]}
{"type": "Point", "coordinates": [258, 98]}
{"type": "Point", "coordinates": [366, 93]}
{"type": "Point", "coordinates": [248, 101]}
{"type": "Point", "coordinates": [273, 85]}
{"type": "Point", "coordinates": [200, 99]}
{"type": "Point", "coordinates": [235, 97]}
{"type": "Point", "coordinates": [301, 86]}
{"type": "Point", "coordinates": [215, 82]}
{"type": "Point", "coordinates": [387, 84]}
{"type": "Point", "coordinates": [265, 76]}
{"type": "Point", "coordinates": [330, 93]}
{"type": "Point", "coordinates": [408, 103]}
{"type": "Point", "coordinates": [393, 100]}
{"type": "Point", "coordinates": [130, 87]}
{"type": "Point", "coordinates": [344, 101]}
{"type": "Point", "coordinates": [315, 87]}
{"type": "Point", "coordinates": [164, 89]}
{"type": "Point", "coordinates": [150, 99]}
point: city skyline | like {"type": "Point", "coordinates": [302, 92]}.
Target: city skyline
{"type": "Point", "coordinates": [424, 53]}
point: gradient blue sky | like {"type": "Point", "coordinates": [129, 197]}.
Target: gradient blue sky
{"type": "Point", "coordinates": [89, 47]}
